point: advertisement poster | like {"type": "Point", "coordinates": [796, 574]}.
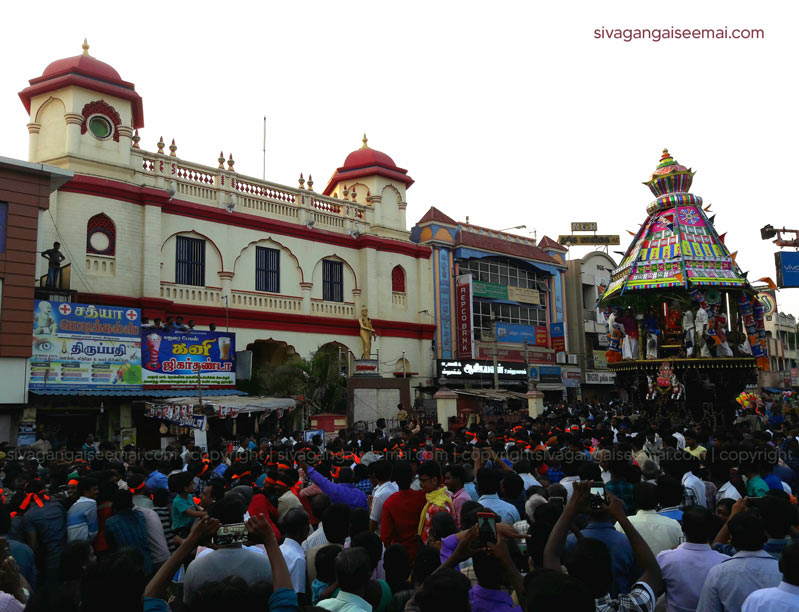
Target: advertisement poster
{"type": "Point", "coordinates": [558, 337]}
{"type": "Point", "coordinates": [172, 359]}
{"type": "Point", "coordinates": [85, 346]}
{"type": "Point", "coordinates": [513, 332]}
{"type": "Point", "coordinates": [463, 316]}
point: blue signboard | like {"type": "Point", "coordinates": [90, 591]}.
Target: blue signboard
{"type": "Point", "coordinates": [85, 346]}
{"type": "Point", "coordinates": [545, 374]}
{"type": "Point", "coordinates": [172, 358]}
{"type": "Point", "coordinates": [787, 268]}
{"type": "Point", "coordinates": [513, 332]}
{"type": "Point", "coordinates": [445, 301]}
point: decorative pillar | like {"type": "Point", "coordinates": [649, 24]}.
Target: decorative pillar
{"type": "Point", "coordinates": [226, 279]}
{"type": "Point", "coordinates": [356, 298]}
{"type": "Point", "coordinates": [73, 121]}
{"type": "Point", "coordinates": [401, 207]}
{"type": "Point", "coordinates": [125, 140]}
{"type": "Point", "coordinates": [535, 403]}
{"type": "Point", "coordinates": [306, 297]}
{"type": "Point", "coordinates": [33, 141]}
{"type": "Point", "coordinates": [446, 406]}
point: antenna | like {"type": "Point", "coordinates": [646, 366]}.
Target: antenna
{"type": "Point", "coordinates": [264, 170]}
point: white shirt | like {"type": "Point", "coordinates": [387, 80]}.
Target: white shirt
{"type": "Point", "coordinates": [692, 482]}
{"type": "Point", "coordinates": [317, 538]}
{"type": "Point", "coordinates": [286, 502]}
{"type": "Point", "coordinates": [727, 491]}
{"type": "Point", "coordinates": [660, 532]}
{"type": "Point", "coordinates": [529, 481]}
{"type": "Point", "coordinates": [680, 440]}
{"type": "Point", "coordinates": [568, 484]}
{"type": "Point", "coordinates": [156, 538]}
{"type": "Point", "coordinates": [381, 493]}
{"type": "Point", "coordinates": [295, 560]}
{"type": "Point", "coordinates": [606, 476]}
{"type": "Point", "coordinates": [782, 598]}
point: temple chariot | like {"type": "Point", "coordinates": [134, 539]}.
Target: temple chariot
{"type": "Point", "coordinates": [686, 332]}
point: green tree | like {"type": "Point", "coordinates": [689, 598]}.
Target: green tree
{"type": "Point", "coordinates": [317, 380]}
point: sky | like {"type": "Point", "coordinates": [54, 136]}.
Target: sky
{"type": "Point", "coordinates": [508, 112]}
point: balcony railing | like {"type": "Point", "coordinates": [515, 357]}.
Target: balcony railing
{"type": "Point", "coordinates": [225, 188]}
{"type": "Point", "coordinates": [333, 309]}
{"type": "Point", "coordinates": [188, 294]}
{"type": "Point", "coordinates": [102, 265]}
{"type": "Point", "coordinates": [266, 303]}
{"type": "Point", "coordinates": [399, 300]}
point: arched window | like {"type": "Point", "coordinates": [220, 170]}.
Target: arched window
{"type": "Point", "coordinates": [398, 280]}
{"type": "Point", "coordinates": [101, 235]}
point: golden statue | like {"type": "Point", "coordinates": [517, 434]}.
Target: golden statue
{"type": "Point", "coordinates": [367, 333]}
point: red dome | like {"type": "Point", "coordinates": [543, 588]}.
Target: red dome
{"type": "Point", "coordinates": [87, 72]}
{"type": "Point", "coordinates": [366, 156]}
{"type": "Point", "coordinates": [367, 162]}
{"type": "Point", "coordinates": [85, 65]}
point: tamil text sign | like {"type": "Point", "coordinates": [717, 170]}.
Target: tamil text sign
{"type": "Point", "coordinates": [172, 359]}
{"type": "Point", "coordinates": [600, 378]}
{"type": "Point", "coordinates": [558, 336]}
{"type": "Point", "coordinates": [589, 239]}
{"type": "Point", "coordinates": [524, 295]}
{"type": "Point", "coordinates": [472, 368]}
{"type": "Point", "coordinates": [85, 346]}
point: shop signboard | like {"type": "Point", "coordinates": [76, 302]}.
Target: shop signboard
{"type": "Point", "coordinates": [85, 346]}
{"type": "Point", "coordinates": [600, 360]}
{"type": "Point", "coordinates": [515, 333]}
{"type": "Point", "coordinates": [600, 378]}
{"type": "Point", "coordinates": [589, 239]}
{"type": "Point", "coordinates": [463, 316]}
{"type": "Point", "coordinates": [486, 351]}
{"type": "Point", "coordinates": [173, 358]}
{"type": "Point", "coordinates": [473, 368]}
{"type": "Point", "coordinates": [558, 336]}
{"type": "Point", "coordinates": [546, 374]}
{"type": "Point", "coordinates": [571, 378]}
{"type": "Point", "coordinates": [585, 226]}
{"type": "Point", "coordinates": [490, 290]}
{"type": "Point", "coordinates": [524, 295]}
{"type": "Point", "coordinates": [445, 297]}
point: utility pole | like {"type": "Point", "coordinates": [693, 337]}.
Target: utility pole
{"type": "Point", "coordinates": [494, 342]}
{"type": "Point", "coordinates": [403, 364]}
{"type": "Point", "coordinates": [227, 313]}
{"type": "Point", "coordinates": [264, 170]}
{"type": "Point", "coordinates": [526, 364]}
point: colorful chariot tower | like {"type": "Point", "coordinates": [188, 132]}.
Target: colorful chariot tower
{"type": "Point", "coordinates": [685, 329]}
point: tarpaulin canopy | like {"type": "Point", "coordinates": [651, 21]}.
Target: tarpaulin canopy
{"type": "Point", "coordinates": [231, 405]}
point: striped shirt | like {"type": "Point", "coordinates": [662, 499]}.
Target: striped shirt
{"type": "Point", "coordinates": [82, 524]}
{"type": "Point", "coordinates": [166, 523]}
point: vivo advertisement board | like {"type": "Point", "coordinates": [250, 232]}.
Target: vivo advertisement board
{"type": "Point", "coordinates": [172, 359]}
{"type": "Point", "coordinates": [787, 263]}
{"type": "Point", "coordinates": [513, 332]}
{"type": "Point", "coordinates": [85, 346]}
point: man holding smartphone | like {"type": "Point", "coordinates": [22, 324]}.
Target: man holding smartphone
{"type": "Point", "coordinates": [591, 561]}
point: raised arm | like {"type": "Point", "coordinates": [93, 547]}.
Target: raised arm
{"type": "Point", "coordinates": [643, 554]}
{"type": "Point", "coordinates": [553, 551]}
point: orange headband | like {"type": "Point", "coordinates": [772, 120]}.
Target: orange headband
{"type": "Point", "coordinates": [237, 476]}
{"type": "Point", "coordinates": [270, 481]}
{"type": "Point", "coordinates": [72, 483]}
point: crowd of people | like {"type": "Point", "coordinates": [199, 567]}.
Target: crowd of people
{"type": "Point", "coordinates": [589, 507]}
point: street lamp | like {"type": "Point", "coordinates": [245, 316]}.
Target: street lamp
{"type": "Point", "coordinates": [514, 227]}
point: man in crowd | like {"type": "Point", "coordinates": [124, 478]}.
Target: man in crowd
{"type": "Point", "coordinates": [660, 532]}
{"type": "Point", "coordinates": [488, 487]}
{"type": "Point", "coordinates": [785, 596]}
{"type": "Point", "coordinates": [384, 487]}
{"type": "Point", "coordinates": [82, 522]}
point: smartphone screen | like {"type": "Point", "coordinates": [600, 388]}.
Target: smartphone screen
{"type": "Point", "coordinates": [487, 527]}
{"type": "Point", "coordinates": [598, 495]}
{"type": "Point", "coordinates": [227, 535]}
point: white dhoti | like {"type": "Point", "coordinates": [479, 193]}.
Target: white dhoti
{"type": "Point", "coordinates": [652, 347]}
{"type": "Point", "coordinates": [689, 338]}
{"type": "Point", "coordinates": [723, 350]}
{"type": "Point", "coordinates": [629, 348]}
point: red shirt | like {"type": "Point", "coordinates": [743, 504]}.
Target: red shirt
{"type": "Point", "coordinates": [260, 505]}
{"type": "Point", "coordinates": [400, 521]}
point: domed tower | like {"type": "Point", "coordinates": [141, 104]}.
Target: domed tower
{"type": "Point", "coordinates": [371, 177]}
{"type": "Point", "coordinates": [81, 111]}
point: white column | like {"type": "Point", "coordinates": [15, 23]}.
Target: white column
{"type": "Point", "coordinates": [306, 297]}
{"type": "Point", "coordinates": [33, 141]}
{"type": "Point", "coordinates": [73, 121]}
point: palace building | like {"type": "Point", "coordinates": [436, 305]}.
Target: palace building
{"type": "Point", "coordinates": [287, 269]}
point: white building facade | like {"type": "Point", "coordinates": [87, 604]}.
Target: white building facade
{"type": "Point", "coordinates": [287, 269]}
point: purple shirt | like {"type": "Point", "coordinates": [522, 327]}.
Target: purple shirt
{"type": "Point", "coordinates": [684, 571]}
{"type": "Point", "coordinates": [489, 600]}
{"type": "Point", "coordinates": [345, 493]}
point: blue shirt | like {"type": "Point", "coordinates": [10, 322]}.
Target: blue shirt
{"type": "Point", "coordinates": [127, 529]}
{"type": "Point", "coordinates": [730, 582]}
{"type": "Point", "coordinates": [507, 513]}
{"type": "Point", "coordinates": [157, 480]}
{"type": "Point", "coordinates": [622, 560]}
{"type": "Point", "coordinates": [471, 489]}
{"type": "Point", "coordinates": [672, 513]}
{"type": "Point", "coordinates": [339, 493]}
{"type": "Point", "coordinates": [23, 554]}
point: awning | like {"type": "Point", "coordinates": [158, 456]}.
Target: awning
{"type": "Point", "coordinates": [238, 405]}
{"type": "Point", "coordinates": [134, 393]}
{"type": "Point", "coordinates": [492, 394]}
{"type": "Point", "coordinates": [774, 390]}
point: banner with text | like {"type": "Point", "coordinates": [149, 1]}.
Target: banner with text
{"type": "Point", "coordinates": [463, 316]}
{"type": "Point", "coordinates": [558, 336]}
{"type": "Point", "coordinates": [85, 346]}
{"type": "Point", "coordinates": [513, 332]}
{"type": "Point", "coordinates": [172, 359]}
